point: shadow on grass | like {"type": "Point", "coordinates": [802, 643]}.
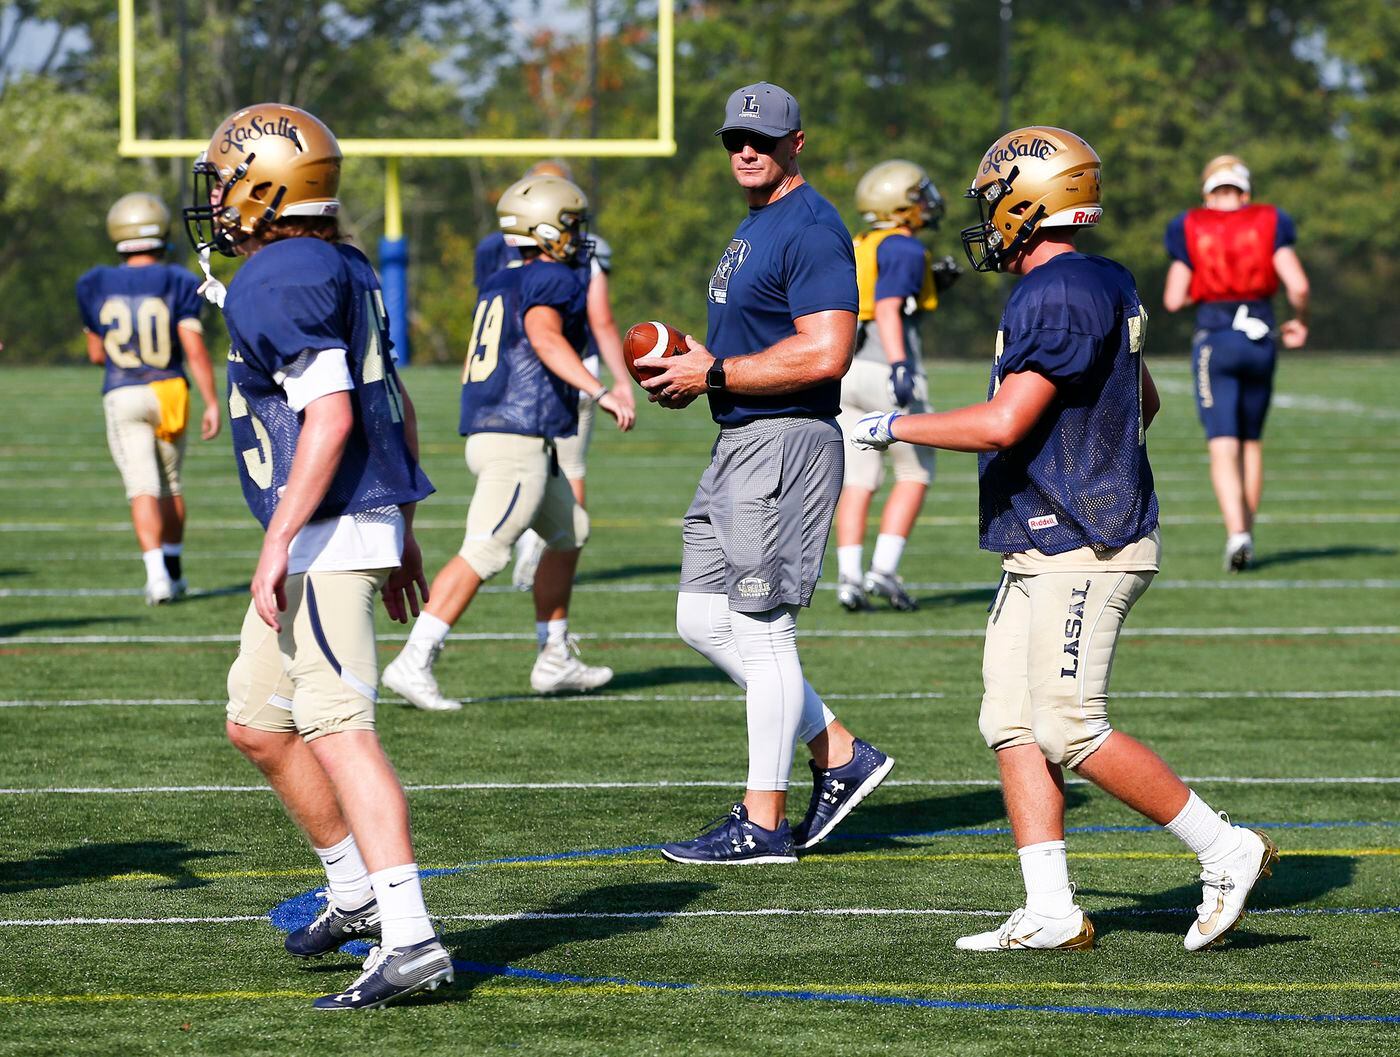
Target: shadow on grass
{"type": "Point", "coordinates": [626, 572]}
{"type": "Point", "coordinates": [20, 627]}
{"type": "Point", "coordinates": [671, 675]}
{"type": "Point", "coordinates": [9, 574]}
{"type": "Point", "coordinates": [1308, 554]}
{"type": "Point", "coordinates": [513, 942]}
{"type": "Point", "coordinates": [204, 594]}
{"type": "Point", "coordinates": [884, 824]}
{"type": "Point", "coordinates": [1297, 881]}
{"type": "Point", "coordinates": [102, 862]}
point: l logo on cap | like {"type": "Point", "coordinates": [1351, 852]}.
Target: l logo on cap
{"type": "Point", "coordinates": [750, 107]}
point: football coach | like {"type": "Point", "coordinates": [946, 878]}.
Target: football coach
{"type": "Point", "coordinates": [782, 308]}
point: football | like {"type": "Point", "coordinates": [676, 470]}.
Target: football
{"type": "Point", "coordinates": [650, 339]}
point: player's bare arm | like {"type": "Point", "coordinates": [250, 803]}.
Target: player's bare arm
{"type": "Point", "coordinates": [1293, 332]}
{"type": "Point", "coordinates": [819, 352]}
{"type": "Point", "coordinates": [889, 322]}
{"type": "Point", "coordinates": [1151, 399]}
{"type": "Point", "coordinates": [406, 589]}
{"type": "Point", "coordinates": [197, 356]}
{"type": "Point", "coordinates": [1176, 294]}
{"type": "Point", "coordinates": [96, 354]}
{"type": "Point", "coordinates": [604, 328]}
{"type": "Point", "coordinates": [544, 328]}
{"type": "Point", "coordinates": [1001, 423]}
{"type": "Point", "coordinates": [326, 425]}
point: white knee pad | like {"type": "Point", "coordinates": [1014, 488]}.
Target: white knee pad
{"type": "Point", "coordinates": [486, 556]}
{"type": "Point", "coordinates": [1066, 730]}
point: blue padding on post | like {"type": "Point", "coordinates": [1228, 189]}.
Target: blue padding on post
{"type": "Point", "coordinates": [393, 275]}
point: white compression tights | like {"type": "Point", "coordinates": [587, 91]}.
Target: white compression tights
{"type": "Point", "coordinates": [759, 652]}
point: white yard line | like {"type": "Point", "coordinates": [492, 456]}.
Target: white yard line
{"type": "Point", "coordinates": [913, 783]}
{"type": "Point", "coordinates": [1305, 631]}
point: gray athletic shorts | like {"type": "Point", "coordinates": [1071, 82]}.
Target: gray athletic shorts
{"type": "Point", "coordinates": [757, 528]}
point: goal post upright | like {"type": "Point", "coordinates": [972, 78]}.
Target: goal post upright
{"type": "Point", "coordinates": [393, 246]}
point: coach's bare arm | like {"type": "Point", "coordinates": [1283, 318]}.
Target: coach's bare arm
{"type": "Point", "coordinates": [820, 351]}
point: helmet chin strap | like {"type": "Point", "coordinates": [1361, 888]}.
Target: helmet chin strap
{"type": "Point", "coordinates": [213, 290]}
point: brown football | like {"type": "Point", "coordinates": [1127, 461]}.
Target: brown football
{"type": "Point", "coordinates": [650, 339]}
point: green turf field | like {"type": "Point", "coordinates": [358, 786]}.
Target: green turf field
{"type": "Point", "coordinates": [139, 859]}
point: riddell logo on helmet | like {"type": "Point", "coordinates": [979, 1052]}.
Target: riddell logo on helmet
{"type": "Point", "coordinates": [256, 129]}
{"type": "Point", "coordinates": [1017, 148]}
{"type": "Point", "coordinates": [1087, 216]}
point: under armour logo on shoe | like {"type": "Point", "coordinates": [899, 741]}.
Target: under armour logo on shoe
{"type": "Point", "coordinates": [833, 791]}
{"type": "Point", "coordinates": [746, 844]}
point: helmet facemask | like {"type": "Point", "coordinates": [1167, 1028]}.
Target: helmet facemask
{"type": "Point", "coordinates": [208, 224]}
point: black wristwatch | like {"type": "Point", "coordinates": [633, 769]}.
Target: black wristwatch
{"type": "Point", "coordinates": [714, 377]}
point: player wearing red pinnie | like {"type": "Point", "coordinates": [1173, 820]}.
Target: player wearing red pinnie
{"type": "Point", "coordinates": [1228, 258]}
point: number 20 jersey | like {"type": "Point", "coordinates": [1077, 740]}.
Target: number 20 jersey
{"type": "Point", "coordinates": [1081, 476]}
{"type": "Point", "coordinates": [136, 312]}
{"type": "Point", "coordinates": [302, 296]}
{"type": "Point", "coordinates": [505, 386]}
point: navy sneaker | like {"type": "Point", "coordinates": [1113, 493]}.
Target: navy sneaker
{"type": "Point", "coordinates": [735, 842]}
{"type": "Point", "coordinates": [392, 973]}
{"type": "Point", "coordinates": [332, 928]}
{"type": "Point", "coordinates": [837, 790]}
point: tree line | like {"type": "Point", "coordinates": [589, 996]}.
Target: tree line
{"type": "Point", "coordinates": [1308, 94]}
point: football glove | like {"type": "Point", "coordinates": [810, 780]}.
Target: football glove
{"type": "Point", "coordinates": [214, 291]}
{"type": "Point", "coordinates": [945, 273]}
{"type": "Point", "coordinates": [901, 383]}
{"type": "Point", "coordinates": [874, 430]}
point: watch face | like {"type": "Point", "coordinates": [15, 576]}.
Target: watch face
{"type": "Point", "coordinates": [714, 377]}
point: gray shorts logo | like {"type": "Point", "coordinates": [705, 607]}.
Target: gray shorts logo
{"type": "Point", "coordinates": [754, 587]}
{"type": "Point", "coordinates": [734, 256]}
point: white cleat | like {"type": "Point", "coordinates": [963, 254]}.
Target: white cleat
{"type": "Point", "coordinates": [529, 549]}
{"type": "Point", "coordinates": [851, 595]}
{"type": "Point", "coordinates": [1239, 554]}
{"type": "Point", "coordinates": [1226, 886]}
{"type": "Point", "coordinates": [559, 667]}
{"type": "Point", "coordinates": [159, 592]}
{"type": "Point", "coordinates": [1024, 931]}
{"type": "Point", "coordinates": [410, 675]}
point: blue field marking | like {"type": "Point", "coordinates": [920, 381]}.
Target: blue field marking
{"type": "Point", "coordinates": [910, 1002]}
{"type": "Point", "coordinates": [1002, 831]}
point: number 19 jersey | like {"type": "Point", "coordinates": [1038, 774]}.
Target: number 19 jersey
{"type": "Point", "coordinates": [136, 311]}
{"type": "Point", "coordinates": [291, 300]}
{"type": "Point", "coordinates": [505, 387]}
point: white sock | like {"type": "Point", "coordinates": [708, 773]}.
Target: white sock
{"type": "Point", "coordinates": [889, 548]}
{"type": "Point", "coordinates": [428, 630]}
{"type": "Point", "coordinates": [556, 632]}
{"type": "Point", "coordinates": [155, 565]}
{"type": "Point", "coordinates": [347, 880]}
{"type": "Point", "coordinates": [1203, 830]}
{"type": "Point", "coordinates": [403, 917]}
{"type": "Point", "coordinates": [848, 562]}
{"type": "Point", "coordinates": [172, 550]}
{"type": "Point", "coordinates": [1046, 873]}
{"type": "Point", "coordinates": [1239, 539]}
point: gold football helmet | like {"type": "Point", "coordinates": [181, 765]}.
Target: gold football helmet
{"type": "Point", "coordinates": [898, 193]}
{"type": "Point", "coordinates": [138, 223]}
{"type": "Point", "coordinates": [265, 162]}
{"type": "Point", "coordinates": [1033, 178]}
{"type": "Point", "coordinates": [1225, 170]}
{"type": "Point", "coordinates": [545, 212]}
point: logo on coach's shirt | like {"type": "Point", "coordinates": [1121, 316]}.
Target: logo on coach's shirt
{"type": "Point", "coordinates": [734, 256]}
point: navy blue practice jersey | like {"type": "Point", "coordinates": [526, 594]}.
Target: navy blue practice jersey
{"type": "Point", "coordinates": [493, 253]}
{"type": "Point", "coordinates": [1081, 476]}
{"type": "Point", "coordinates": [505, 387]}
{"type": "Point", "coordinates": [136, 311]}
{"type": "Point", "coordinates": [786, 260]}
{"type": "Point", "coordinates": [301, 296]}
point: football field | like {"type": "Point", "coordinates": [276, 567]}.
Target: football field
{"type": "Point", "coordinates": [147, 876]}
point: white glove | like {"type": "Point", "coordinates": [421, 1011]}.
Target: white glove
{"type": "Point", "coordinates": [214, 291]}
{"type": "Point", "coordinates": [874, 430]}
{"type": "Point", "coordinates": [1253, 329]}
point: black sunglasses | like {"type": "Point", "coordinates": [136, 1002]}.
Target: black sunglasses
{"type": "Point", "coordinates": [735, 138]}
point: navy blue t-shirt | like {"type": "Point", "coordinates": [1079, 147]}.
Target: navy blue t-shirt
{"type": "Point", "coordinates": [299, 296]}
{"type": "Point", "coordinates": [786, 260]}
{"type": "Point", "coordinates": [1081, 476]}
{"type": "Point", "coordinates": [136, 311]}
{"type": "Point", "coordinates": [505, 386]}
{"type": "Point", "coordinates": [901, 265]}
